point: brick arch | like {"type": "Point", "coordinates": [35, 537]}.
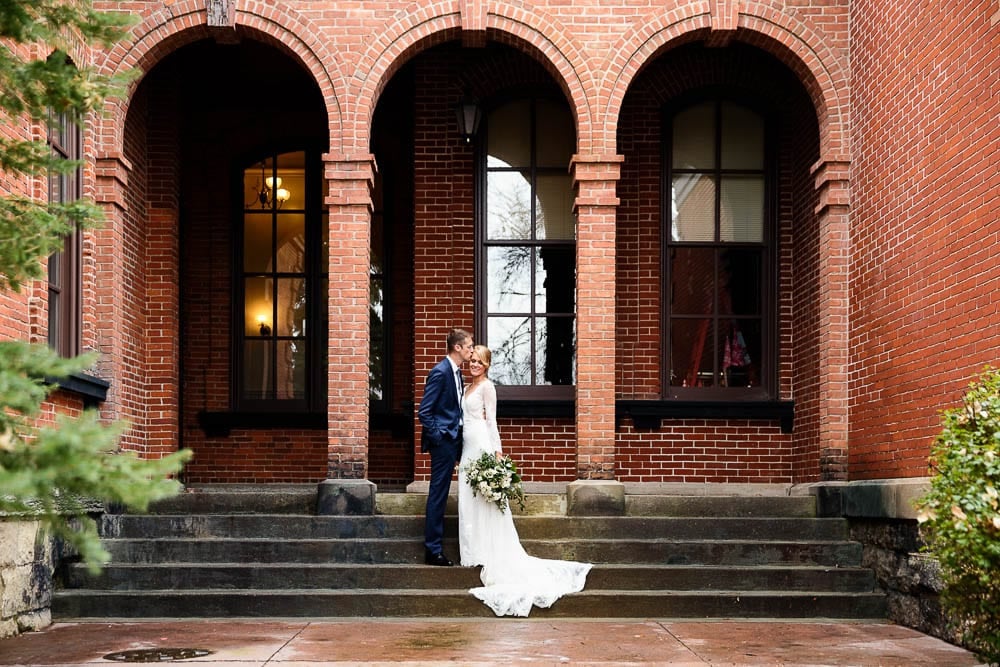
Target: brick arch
{"type": "Point", "coordinates": [792, 40]}
{"type": "Point", "coordinates": [174, 26]}
{"type": "Point", "coordinates": [421, 26]}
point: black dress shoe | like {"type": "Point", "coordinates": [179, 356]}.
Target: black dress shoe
{"type": "Point", "coordinates": [437, 559]}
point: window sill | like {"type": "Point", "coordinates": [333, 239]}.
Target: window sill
{"type": "Point", "coordinates": [647, 415]}
{"type": "Point", "coordinates": [220, 424]}
{"type": "Point", "coordinates": [540, 408]}
{"type": "Point", "coordinates": [92, 390]}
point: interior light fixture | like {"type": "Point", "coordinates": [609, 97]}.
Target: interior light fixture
{"type": "Point", "coordinates": [270, 193]}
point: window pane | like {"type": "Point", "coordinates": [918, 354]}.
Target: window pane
{"type": "Point", "coordinates": [694, 137]}
{"type": "Point", "coordinates": [554, 207]}
{"type": "Point", "coordinates": [290, 186]}
{"type": "Point", "coordinates": [258, 312]}
{"type": "Point", "coordinates": [740, 281]}
{"type": "Point", "coordinates": [742, 209]}
{"type": "Point", "coordinates": [376, 365]}
{"type": "Point", "coordinates": [742, 138]}
{"type": "Point", "coordinates": [257, 369]}
{"type": "Point", "coordinates": [55, 270]}
{"type": "Point", "coordinates": [690, 353]}
{"type": "Point", "coordinates": [509, 338]}
{"type": "Point", "coordinates": [257, 242]}
{"type": "Point", "coordinates": [555, 134]}
{"type": "Point", "coordinates": [508, 279]}
{"type": "Point", "coordinates": [509, 140]}
{"type": "Point", "coordinates": [740, 353]}
{"type": "Point", "coordinates": [555, 348]}
{"type": "Point", "coordinates": [291, 243]}
{"type": "Point", "coordinates": [291, 369]}
{"type": "Point", "coordinates": [692, 208]}
{"type": "Point", "coordinates": [508, 205]}
{"type": "Point", "coordinates": [555, 278]}
{"type": "Point", "coordinates": [55, 318]}
{"type": "Point", "coordinates": [692, 280]}
{"type": "Point", "coordinates": [254, 179]}
{"type": "Point", "coordinates": [291, 307]}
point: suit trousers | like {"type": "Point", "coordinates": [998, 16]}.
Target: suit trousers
{"type": "Point", "coordinates": [444, 454]}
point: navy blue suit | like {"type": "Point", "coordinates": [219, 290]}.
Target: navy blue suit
{"type": "Point", "coordinates": [440, 415]}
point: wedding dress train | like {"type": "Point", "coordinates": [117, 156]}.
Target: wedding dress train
{"type": "Point", "coordinates": [513, 581]}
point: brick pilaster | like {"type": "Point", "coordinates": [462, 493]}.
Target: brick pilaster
{"type": "Point", "coordinates": [833, 219]}
{"type": "Point", "coordinates": [595, 179]}
{"type": "Point", "coordinates": [349, 201]}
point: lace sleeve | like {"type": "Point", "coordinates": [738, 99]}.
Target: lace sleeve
{"type": "Point", "coordinates": [490, 408]}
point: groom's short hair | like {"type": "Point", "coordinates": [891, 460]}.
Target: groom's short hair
{"type": "Point", "coordinates": [457, 337]}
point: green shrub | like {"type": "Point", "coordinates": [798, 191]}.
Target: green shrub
{"type": "Point", "coordinates": [960, 515]}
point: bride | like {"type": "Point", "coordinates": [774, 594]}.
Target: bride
{"type": "Point", "coordinates": [512, 580]}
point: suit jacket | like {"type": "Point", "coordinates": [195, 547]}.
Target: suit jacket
{"type": "Point", "coordinates": [440, 411]}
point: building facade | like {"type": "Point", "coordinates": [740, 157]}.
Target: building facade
{"type": "Point", "coordinates": [708, 241]}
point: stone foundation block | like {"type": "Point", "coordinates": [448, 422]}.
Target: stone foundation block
{"type": "Point", "coordinates": [598, 497]}
{"type": "Point", "coordinates": [345, 497]}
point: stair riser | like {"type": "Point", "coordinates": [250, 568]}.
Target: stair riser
{"type": "Point", "coordinates": [334, 527]}
{"type": "Point", "coordinates": [411, 551]}
{"type": "Point", "coordinates": [431, 604]}
{"type": "Point", "coordinates": [421, 577]}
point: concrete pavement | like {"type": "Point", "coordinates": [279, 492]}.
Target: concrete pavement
{"type": "Point", "coordinates": [501, 641]}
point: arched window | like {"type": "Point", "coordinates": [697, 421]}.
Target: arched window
{"type": "Point", "coordinates": [280, 314]}
{"type": "Point", "coordinates": [527, 249]}
{"type": "Point", "coordinates": [719, 252]}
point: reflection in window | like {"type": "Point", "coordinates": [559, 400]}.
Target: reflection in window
{"type": "Point", "coordinates": [717, 248]}
{"type": "Point", "coordinates": [378, 340]}
{"type": "Point", "coordinates": [276, 282]}
{"type": "Point", "coordinates": [529, 244]}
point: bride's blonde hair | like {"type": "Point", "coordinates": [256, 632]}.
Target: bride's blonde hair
{"type": "Point", "coordinates": [485, 356]}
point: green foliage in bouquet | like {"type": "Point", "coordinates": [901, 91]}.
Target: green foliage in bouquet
{"type": "Point", "coordinates": [496, 480]}
{"type": "Point", "coordinates": [57, 474]}
{"type": "Point", "coordinates": [960, 516]}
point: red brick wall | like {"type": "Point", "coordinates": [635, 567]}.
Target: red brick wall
{"type": "Point", "coordinates": [925, 214]}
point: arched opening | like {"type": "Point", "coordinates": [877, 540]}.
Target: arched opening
{"type": "Point", "coordinates": [200, 127]}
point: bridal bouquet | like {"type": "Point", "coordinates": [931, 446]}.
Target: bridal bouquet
{"type": "Point", "coordinates": [496, 480]}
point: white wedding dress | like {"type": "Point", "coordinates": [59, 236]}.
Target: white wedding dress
{"type": "Point", "coordinates": [512, 580]}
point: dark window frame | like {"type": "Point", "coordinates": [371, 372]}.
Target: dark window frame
{"type": "Point", "coordinates": [767, 389]}
{"type": "Point", "coordinates": [65, 275]}
{"type": "Point", "coordinates": [517, 395]}
{"type": "Point", "coordinates": [316, 277]}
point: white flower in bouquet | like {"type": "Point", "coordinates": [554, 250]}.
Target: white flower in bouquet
{"type": "Point", "coordinates": [495, 479]}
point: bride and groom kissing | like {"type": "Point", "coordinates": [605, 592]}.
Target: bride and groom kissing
{"type": "Point", "coordinates": [459, 425]}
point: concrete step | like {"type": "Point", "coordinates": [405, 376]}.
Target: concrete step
{"type": "Point", "coordinates": [292, 526]}
{"type": "Point", "coordinates": [301, 499]}
{"type": "Point", "coordinates": [411, 602]}
{"type": "Point", "coordinates": [394, 550]}
{"type": "Point", "coordinates": [646, 504]}
{"type": "Point", "coordinates": [205, 576]}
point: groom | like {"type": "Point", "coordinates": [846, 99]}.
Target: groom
{"type": "Point", "coordinates": [440, 415]}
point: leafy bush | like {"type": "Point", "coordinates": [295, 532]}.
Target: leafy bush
{"type": "Point", "coordinates": [960, 515]}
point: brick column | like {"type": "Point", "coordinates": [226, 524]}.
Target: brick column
{"type": "Point", "coordinates": [349, 200]}
{"type": "Point", "coordinates": [595, 178]}
{"type": "Point", "coordinates": [833, 218]}
{"type": "Point", "coordinates": [105, 290]}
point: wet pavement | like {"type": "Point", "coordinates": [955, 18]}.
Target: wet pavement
{"type": "Point", "coordinates": [502, 641]}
